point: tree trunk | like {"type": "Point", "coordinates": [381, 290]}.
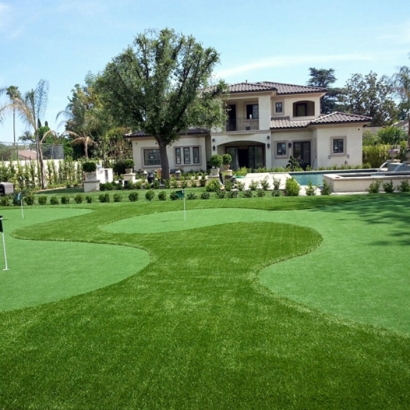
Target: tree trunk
{"type": "Point", "coordinates": [41, 163]}
{"type": "Point", "coordinates": [164, 160]}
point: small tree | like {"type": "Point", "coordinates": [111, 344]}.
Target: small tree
{"type": "Point", "coordinates": [162, 85]}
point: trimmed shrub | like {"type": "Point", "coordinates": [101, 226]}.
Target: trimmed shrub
{"type": "Point", "coordinates": [260, 193]}
{"type": "Point", "coordinates": [42, 200]}
{"type": "Point", "coordinates": [276, 184]}
{"type": "Point", "coordinates": [149, 195]}
{"type": "Point", "coordinates": [191, 195]}
{"type": "Point", "coordinates": [265, 184]}
{"type": "Point", "coordinates": [213, 186]}
{"type": "Point", "coordinates": [78, 199]}
{"type": "Point", "coordinates": [117, 198]}
{"type": "Point", "coordinates": [233, 194]}
{"type": "Point", "coordinates": [310, 190]}
{"type": "Point", "coordinates": [374, 187]}
{"type": "Point", "coordinates": [54, 200]}
{"type": "Point", "coordinates": [89, 199]}
{"type": "Point", "coordinates": [404, 186]}
{"type": "Point", "coordinates": [162, 196]}
{"type": "Point", "coordinates": [240, 186]}
{"type": "Point", "coordinates": [247, 193]}
{"type": "Point", "coordinates": [29, 198]}
{"type": "Point", "coordinates": [108, 186]}
{"type": "Point", "coordinates": [104, 197]}
{"type": "Point", "coordinates": [292, 188]}
{"type": "Point", "coordinates": [253, 186]}
{"type": "Point", "coordinates": [277, 192]}
{"type": "Point", "coordinates": [388, 187]}
{"type": "Point", "coordinates": [133, 196]}
{"type": "Point", "coordinates": [327, 188]}
{"type": "Point", "coordinates": [205, 195]}
{"type": "Point", "coordinates": [220, 194]}
{"type": "Point", "coordinates": [5, 200]}
{"type": "Point", "coordinates": [65, 200]}
{"type": "Point", "coordinates": [173, 195]}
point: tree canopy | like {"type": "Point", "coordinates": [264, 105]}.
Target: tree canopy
{"type": "Point", "coordinates": [162, 85]}
{"type": "Point", "coordinates": [325, 78]}
{"type": "Point", "coordinates": [371, 96]}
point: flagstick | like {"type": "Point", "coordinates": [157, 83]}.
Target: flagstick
{"type": "Point", "coordinates": [4, 249]}
{"type": "Point", "coordinates": [184, 205]}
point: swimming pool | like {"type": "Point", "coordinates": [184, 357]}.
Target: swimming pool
{"type": "Point", "coordinates": [316, 177]}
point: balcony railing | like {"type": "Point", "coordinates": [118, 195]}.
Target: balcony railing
{"type": "Point", "coordinates": [242, 124]}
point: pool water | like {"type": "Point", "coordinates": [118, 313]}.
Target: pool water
{"type": "Point", "coordinates": [316, 177]}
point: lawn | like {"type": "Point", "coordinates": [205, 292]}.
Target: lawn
{"type": "Point", "coordinates": [255, 303]}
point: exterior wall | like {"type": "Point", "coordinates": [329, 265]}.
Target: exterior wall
{"type": "Point", "coordinates": [139, 144]}
{"type": "Point", "coordinates": [264, 112]}
{"type": "Point", "coordinates": [289, 137]}
{"type": "Point", "coordinates": [288, 102]}
{"type": "Point", "coordinates": [352, 155]}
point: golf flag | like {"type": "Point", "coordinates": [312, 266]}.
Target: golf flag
{"type": "Point", "coordinates": [18, 197]}
{"type": "Point", "coordinates": [4, 243]}
{"type": "Point", "coordinates": [180, 194]}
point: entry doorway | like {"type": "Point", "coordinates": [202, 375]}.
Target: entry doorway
{"type": "Point", "coordinates": [249, 156]}
{"type": "Point", "coordinates": [301, 150]}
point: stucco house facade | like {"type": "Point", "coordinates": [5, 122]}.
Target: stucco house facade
{"type": "Point", "coordinates": [267, 124]}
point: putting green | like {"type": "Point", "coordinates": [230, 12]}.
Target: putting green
{"type": "Point", "coordinates": [42, 272]}
{"type": "Point", "coordinates": [198, 218]}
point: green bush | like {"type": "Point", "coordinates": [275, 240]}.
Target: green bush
{"type": "Point", "coordinates": [104, 197]}
{"type": "Point", "coordinates": [89, 199]}
{"type": "Point", "coordinates": [260, 193]}
{"type": "Point", "coordinates": [292, 188]}
{"type": "Point", "coordinates": [78, 199]}
{"type": "Point", "coordinates": [149, 195]}
{"type": "Point", "coordinates": [133, 196]}
{"type": "Point", "coordinates": [276, 184]}
{"type": "Point", "coordinates": [117, 198]}
{"type": "Point", "coordinates": [404, 186]}
{"type": "Point", "coordinates": [205, 195]}
{"type": "Point", "coordinates": [388, 187]}
{"type": "Point", "coordinates": [374, 187]}
{"type": "Point", "coordinates": [213, 186]}
{"type": "Point", "coordinates": [277, 192]}
{"type": "Point", "coordinates": [253, 186]}
{"type": "Point", "coordinates": [191, 195]}
{"type": "Point", "coordinates": [220, 194]}
{"type": "Point", "coordinates": [233, 194]}
{"type": "Point", "coordinates": [65, 200]}
{"type": "Point", "coordinates": [247, 193]}
{"type": "Point", "coordinates": [228, 185]}
{"type": "Point", "coordinates": [42, 200]}
{"type": "Point", "coordinates": [108, 186]}
{"type": "Point", "coordinates": [265, 184]}
{"type": "Point", "coordinates": [5, 200]}
{"type": "Point", "coordinates": [54, 200]}
{"type": "Point", "coordinates": [240, 185]}
{"type": "Point", "coordinates": [327, 188]}
{"type": "Point", "coordinates": [310, 190]}
{"type": "Point", "coordinates": [173, 195]}
{"type": "Point", "coordinates": [29, 198]}
{"type": "Point", "coordinates": [156, 184]}
{"type": "Point", "coordinates": [162, 196]}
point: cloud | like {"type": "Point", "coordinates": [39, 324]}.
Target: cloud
{"type": "Point", "coordinates": [290, 61]}
{"type": "Point", "coordinates": [398, 34]}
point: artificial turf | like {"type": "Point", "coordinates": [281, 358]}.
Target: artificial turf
{"type": "Point", "coordinates": [197, 329]}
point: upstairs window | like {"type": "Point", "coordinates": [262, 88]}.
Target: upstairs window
{"type": "Point", "coordinates": [252, 111]}
{"type": "Point", "coordinates": [304, 109]}
{"type": "Point", "coordinates": [278, 107]}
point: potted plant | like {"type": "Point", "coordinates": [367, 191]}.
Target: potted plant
{"type": "Point", "coordinates": [215, 162]}
{"type": "Point", "coordinates": [226, 161]}
{"type": "Point", "coordinates": [129, 166]}
{"type": "Point", "coordinates": [90, 168]}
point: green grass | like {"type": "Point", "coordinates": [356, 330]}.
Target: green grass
{"type": "Point", "coordinates": [196, 329]}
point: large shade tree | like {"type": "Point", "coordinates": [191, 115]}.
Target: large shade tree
{"type": "Point", "coordinates": [324, 78]}
{"type": "Point", "coordinates": [401, 84]}
{"type": "Point", "coordinates": [162, 85]}
{"type": "Point", "coordinates": [372, 96]}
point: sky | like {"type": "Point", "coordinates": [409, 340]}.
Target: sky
{"type": "Point", "coordinates": [260, 40]}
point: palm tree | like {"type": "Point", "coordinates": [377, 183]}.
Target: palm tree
{"type": "Point", "coordinates": [401, 83]}
{"type": "Point", "coordinates": [31, 109]}
{"type": "Point", "coordinates": [13, 93]}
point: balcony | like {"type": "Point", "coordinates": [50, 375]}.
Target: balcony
{"type": "Point", "coordinates": [242, 124]}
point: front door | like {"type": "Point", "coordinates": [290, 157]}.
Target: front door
{"type": "Point", "coordinates": [301, 151]}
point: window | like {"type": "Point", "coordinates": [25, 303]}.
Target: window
{"type": "Point", "coordinates": [190, 155]}
{"type": "Point", "coordinates": [252, 111]}
{"type": "Point", "coordinates": [278, 107]}
{"type": "Point", "coordinates": [303, 109]}
{"type": "Point", "coordinates": [151, 157]}
{"type": "Point", "coordinates": [178, 156]}
{"type": "Point", "coordinates": [281, 149]}
{"type": "Point", "coordinates": [338, 145]}
{"type": "Point", "coordinates": [195, 155]}
{"type": "Point", "coordinates": [187, 155]}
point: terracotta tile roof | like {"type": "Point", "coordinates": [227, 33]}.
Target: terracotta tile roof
{"type": "Point", "coordinates": [340, 117]}
{"type": "Point", "coordinates": [191, 131]}
{"type": "Point", "coordinates": [333, 118]}
{"type": "Point", "coordinates": [271, 86]}
{"type": "Point", "coordinates": [285, 122]}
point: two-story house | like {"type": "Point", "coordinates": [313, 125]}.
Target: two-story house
{"type": "Point", "coordinates": [267, 124]}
